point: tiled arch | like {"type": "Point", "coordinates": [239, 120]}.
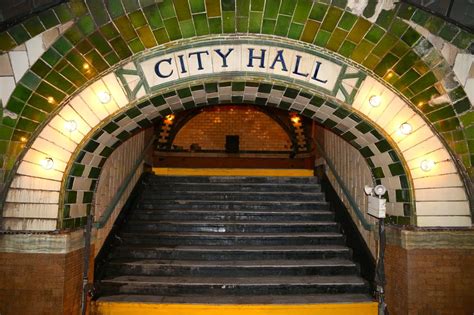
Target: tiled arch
{"type": "Point", "coordinates": [130, 28]}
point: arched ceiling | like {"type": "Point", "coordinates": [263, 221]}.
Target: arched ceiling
{"type": "Point", "coordinates": [107, 35]}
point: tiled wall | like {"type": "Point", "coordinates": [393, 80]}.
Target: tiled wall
{"type": "Point", "coordinates": [104, 34]}
{"type": "Point", "coordinates": [115, 170]}
{"type": "Point", "coordinates": [257, 131]}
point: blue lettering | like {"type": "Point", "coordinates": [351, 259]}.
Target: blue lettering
{"type": "Point", "coordinates": [316, 72]}
{"type": "Point", "coordinates": [224, 57]}
{"type": "Point", "coordinates": [181, 63]}
{"type": "Point", "coordinates": [279, 58]}
{"type": "Point", "coordinates": [198, 54]}
{"type": "Point", "coordinates": [157, 68]}
{"type": "Point", "coordinates": [297, 65]}
{"type": "Point", "coordinates": [261, 58]}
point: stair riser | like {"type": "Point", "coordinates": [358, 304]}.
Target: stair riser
{"type": "Point", "coordinates": [132, 253]}
{"type": "Point", "coordinates": [180, 187]}
{"type": "Point", "coordinates": [163, 180]}
{"type": "Point", "coordinates": [217, 196]}
{"type": "Point", "coordinates": [233, 206]}
{"type": "Point", "coordinates": [209, 216]}
{"type": "Point", "coordinates": [218, 290]}
{"type": "Point", "coordinates": [177, 271]}
{"type": "Point", "coordinates": [223, 241]}
{"type": "Point", "coordinates": [134, 226]}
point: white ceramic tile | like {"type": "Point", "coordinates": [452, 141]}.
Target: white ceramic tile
{"type": "Point", "coordinates": [28, 182]}
{"type": "Point", "coordinates": [5, 65]}
{"type": "Point", "coordinates": [442, 208]}
{"type": "Point", "coordinates": [33, 169]}
{"type": "Point", "coordinates": [32, 196]}
{"type": "Point", "coordinates": [77, 103]}
{"type": "Point", "coordinates": [440, 194]}
{"type": "Point", "coordinates": [422, 149]}
{"type": "Point", "coordinates": [58, 139]}
{"type": "Point", "coordinates": [448, 180]}
{"type": "Point", "coordinates": [444, 221]}
{"type": "Point", "coordinates": [89, 97]}
{"type": "Point", "coordinates": [52, 150]}
{"type": "Point", "coordinates": [30, 210]}
{"type": "Point", "coordinates": [414, 138]}
{"type": "Point", "coordinates": [19, 61]}
{"type": "Point", "coordinates": [30, 224]}
{"type": "Point", "coordinates": [34, 48]}
{"type": "Point", "coordinates": [7, 85]}
{"type": "Point", "coordinates": [115, 89]}
{"type": "Point", "coordinates": [50, 36]}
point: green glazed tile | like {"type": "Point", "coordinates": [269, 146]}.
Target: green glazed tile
{"type": "Point", "coordinates": [347, 21]}
{"type": "Point", "coordinates": [125, 28]}
{"type": "Point", "coordinates": [84, 47]}
{"type": "Point", "coordinates": [295, 31]}
{"type": "Point", "coordinates": [74, 35]}
{"type": "Point", "coordinates": [447, 125]}
{"type": "Point", "coordinates": [378, 172]}
{"type": "Point", "coordinates": [424, 82]}
{"type": "Point", "coordinates": [243, 8]}
{"type": "Point", "coordinates": [97, 61]}
{"type": "Point", "coordinates": [6, 41]}
{"type": "Point", "coordinates": [5, 133]}
{"type": "Point", "coordinates": [187, 28]}
{"type": "Point", "coordinates": [120, 47]}
{"type": "Point", "coordinates": [100, 43]}
{"type": "Point", "coordinates": [131, 5]}
{"type": "Point", "coordinates": [463, 39]}
{"type": "Point", "coordinates": [26, 125]}
{"type": "Point", "coordinates": [167, 9]}
{"type": "Point", "coordinates": [406, 11]}
{"type": "Point", "coordinates": [215, 25]}
{"type": "Point", "coordinates": [347, 48]}
{"type": "Point", "coordinates": [271, 9]}
{"type": "Point", "coordinates": [19, 34]}
{"type": "Point", "coordinates": [172, 27]}
{"type": "Point", "coordinates": [153, 17]}
{"type": "Point", "coordinates": [310, 30]}
{"type": "Point", "coordinates": [371, 62]}
{"type": "Point", "coordinates": [255, 22]}
{"type": "Point", "coordinates": [400, 49]}
{"type": "Point", "coordinates": [358, 31]}
{"type": "Point", "coordinates": [48, 90]}
{"type": "Point", "coordinates": [303, 8]}
{"type": "Point", "coordinates": [441, 114]}
{"type": "Point", "coordinates": [384, 45]}
{"type": "Point", "coordinates": [161, 36]}
{"type": "Point", "coordinates": [109, 31]}
{"type": "Point", "coordinates": [228, 18]}
{"type": "Point", "coordinates": [21, 92]}
{"type": "Point", "coordinates": [257, 5]}
{"type": "Point", "coordinates": [115, 8]}
{"type": "Point", "coordinates": [228, 5]}
{"type": "Point", "coordinates": [74, 76]}
{"type": "Point", "coordinates": [406, 63]}
{"type": "Point", "coordinates": [200, 23]}
{"type": "Point", "coordinates": [318, 12]}
{"type": "Point", "coordinates": [33, 114]}
{"type": "Point", "coordinates": [462, 106]}
{"type": "Point", "coordinates": [322, 38]}
{"type": "Point", "coordinates": [137, 18]}
{"type": "Point", "coordinates": [40, 68]}
{"type": "Point", "coordinates": [385, 18]}
{"type": "Point", "coordinates": [396, 169]}
{"type": "Point", "coordinates": [213, 8]}
{"type": "Point", "coordinates": [336, 39]}
{"type": "Point", "coordinates": [282, 25]}
{"type": "Point", "coordinates": [360, 52]}
{"type": "Point", "coordinates": [434, 24]}
{"type": "Point", "coordinates": [242, 24]}
{"type": "Point", "coordinates": [51, 57]}
{"type": "Point", "coordinates": [146, 36]}
{"type": "Point", "coordinates": [34, 26]}
{"type": "Point", "coordinates": [420, 17]}
{"type": "Point", "coordinates": [398, 27]}
{"type": "Point", "coordinates": [268, 26]}
{"type": "Point", "coordinates": [423, 97]}
{"type": "Point", "coordinates": [406, 79]}
{"type": "Point", "coordinates": [374, 34]}
{"type": "Point", "coordinates": [331, 19]}
{"type": "Point", "coordinates": [182, 9]}
{"type": "Point", "coordinates": [197, 6]}
{"type": "Point", "coordinates": [58, 81]}
{"type": "Point", "coordinates": [369, 10]}
{"type": "Point", "coordinates": [410, 37]}
{"type": "Point", "coordinates": [86, 24]}
{"type": "Point", "coordinates": [287, 7]}
{"type": "Point", "coordinates": [449, 31]}
{"type": "Point", "coordinates": [48, 18]}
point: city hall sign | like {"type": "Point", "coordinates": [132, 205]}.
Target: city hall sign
{"type": "Point", "coordinates": [309, 68]}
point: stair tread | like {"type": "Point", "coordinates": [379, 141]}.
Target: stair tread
{"type": "Point", "coordinates": [255, 281]}
{"type": "Point", "coordinates": [318, 193]}
{"type": "Point", "coordinates": [142, 211]}
{"type": "Point", "coordinates": [261, 299]}
{"type": "Point", "coordinates": [246, 201]}
{"type": "Point", "coordinates": [238, 263]}
{"type": "Point", "coordinates": [236, 248]}
{"type": "Point", "coordinates": [238, 235]}
{"type": "Point", "coordinates": [233, 222]}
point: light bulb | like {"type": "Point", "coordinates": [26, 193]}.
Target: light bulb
{"type": "Point", "coordinates": [375, 100]}
{"type": "Point", "coordinates": [379, 190]}
{"type": "Point", "coordinates": [104, 97]}
{"type": "Point", "coordinates": [406, 128]}
{"type": "Point", "coordinates": [70, 125]}
{"type": "Point", "coordinates": [47, 163]}
{"type": "Point", "coordinates": [427, 165]}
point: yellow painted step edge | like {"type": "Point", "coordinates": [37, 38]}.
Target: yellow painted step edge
{"type": "Point", "coordinates": [171, 171]}
{"type": "Point", "coordinates": [125, 308]}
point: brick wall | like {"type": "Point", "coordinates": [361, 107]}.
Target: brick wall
{"type": "Point", "coordinates": [257, 131]}
{"type": "Point", "coordinates": [434, 281]}
{"type": "Point", "coordinates": [39, 284]}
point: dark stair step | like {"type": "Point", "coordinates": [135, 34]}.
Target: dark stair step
{"type": "Point", "coordinates": [234, 196]}
{"type": "Point", "coordinates": [231, 227]}
{"type": "Point", "coordinates": [280, 285]}
{"type": "Point", "coordinates": [267, 216]}
{"type": "Point", "coordinates": [233, 252]}
{"type": "Point", "coordinates": [233, 239]}
{"type": "Point", "coordinates": [234, 205]}
{"type": "Point", "coordinates": [257, 299]}
{"type": "Point", "coordinates": [254, 268]}
{"type": "Point", "coordinates": [233, 179]}
{"type": "Point", "coordinates": [262, 187]}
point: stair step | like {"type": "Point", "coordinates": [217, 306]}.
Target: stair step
{"type": "Point", "coordinates": [222, 187]}
{"type": "Point", "coordinates": [268, 216]}
{"type": "Point", "coordinates": [155, 267]}
{"type": "Point", "coordinates": [231, 227]}
{"type": "Point", "coordinates": [234, 196]}
{"type": "Point", "coordinates": [234, 253]}
{"type": "Point", "coordinates": [234, 205]}
{"type": "Point", "coordinates": [153, 285]}
{"type": "Point", "coordinates": [203, 238]}
{"type": "Point", "coordinates": [233, 179]}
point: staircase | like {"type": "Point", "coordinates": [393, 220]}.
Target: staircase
{"type": "Point", "coordinates": [232, 240]}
